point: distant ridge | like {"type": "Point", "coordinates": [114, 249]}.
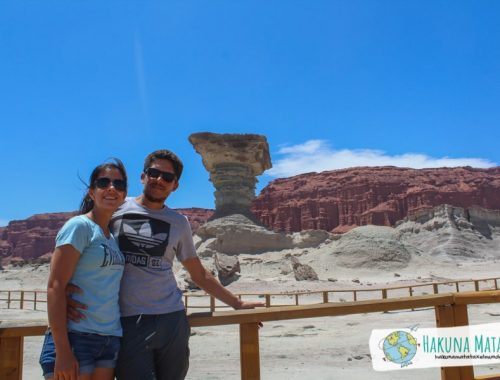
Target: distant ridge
{"type": "Point", "coordinates": [335, 201]}
{"type": "Point", "coordinates": [34, 237]}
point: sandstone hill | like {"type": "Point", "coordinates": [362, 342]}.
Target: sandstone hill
{"type": "Point", "coordinates": [343, 199]}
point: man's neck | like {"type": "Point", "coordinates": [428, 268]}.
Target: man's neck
{"type": "Point", "coordinates": [143, 201]}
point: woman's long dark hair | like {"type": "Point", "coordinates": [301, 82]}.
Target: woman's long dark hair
{"type": "Point", "coordinates": [87, 203]}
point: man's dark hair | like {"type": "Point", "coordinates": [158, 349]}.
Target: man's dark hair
{"type": "Point", "coordinates": [164, 154]}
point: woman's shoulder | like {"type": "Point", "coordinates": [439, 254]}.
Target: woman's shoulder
{"type": "Point", "coordinates": [78, 222]}
{"type": "Point", "coordinates": [77, 231]}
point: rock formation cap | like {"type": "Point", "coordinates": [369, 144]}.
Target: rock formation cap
{"type": "Point", "coordinates": [247, 149]}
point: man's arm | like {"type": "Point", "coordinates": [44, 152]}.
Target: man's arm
{"type": "Point", "coordinates": [204, 279]}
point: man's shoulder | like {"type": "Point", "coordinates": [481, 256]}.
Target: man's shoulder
{"type": "Point", "coordinates": [175, 215]}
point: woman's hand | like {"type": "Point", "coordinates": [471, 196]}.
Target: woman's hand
{"type": "Point", "coordinates": [66, 367]}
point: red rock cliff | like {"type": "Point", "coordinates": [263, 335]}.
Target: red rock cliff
{"type": "Point", "coordinates": [342, 199]}
{"type": "Point", "coordinates": [32, 237]}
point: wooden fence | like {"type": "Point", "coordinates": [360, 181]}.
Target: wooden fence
{"type": "Point", "coordinates": [450, 310]}
{"type": "Point", "coordinates": [37, 299]}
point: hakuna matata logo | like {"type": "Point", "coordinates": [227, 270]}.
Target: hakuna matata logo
{"type": "Point", "coordinates": [399, 347]}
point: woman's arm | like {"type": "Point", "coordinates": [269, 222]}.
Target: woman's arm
{"type": "Point", "coordinates": [62, 266]}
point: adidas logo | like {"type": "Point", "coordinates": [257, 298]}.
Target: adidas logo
{"type": "Point", "coordinates": [144, 238]}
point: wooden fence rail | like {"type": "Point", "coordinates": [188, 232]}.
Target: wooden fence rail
{"type": "Point", "coordinates": [450, 310]}
{"type": "Point", "coordinates": [21, 299]}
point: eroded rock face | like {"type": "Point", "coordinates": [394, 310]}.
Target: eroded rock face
{"type": "Point", "coordinates": [343, 199]}
{"type": "Point", "coordinates": [446, 231]}
{"type": "Point", "coordinates": [234, 161]}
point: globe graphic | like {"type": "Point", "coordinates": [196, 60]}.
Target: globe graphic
{"type": "Point", "coordinates": [400, 347]}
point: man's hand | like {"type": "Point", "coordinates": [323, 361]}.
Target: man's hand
{"type": "Point", "coordinates": [249, 304]}
{"type": "Point", "coordinates": [72, 306]}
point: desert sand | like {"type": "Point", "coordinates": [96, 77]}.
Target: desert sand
{"type": "Point", "coordinates": [319, 348]}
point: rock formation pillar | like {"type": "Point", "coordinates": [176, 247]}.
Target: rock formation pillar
{"type": "Point", "coordinates": [233, 161]}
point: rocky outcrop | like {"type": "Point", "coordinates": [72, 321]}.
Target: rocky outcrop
{"type": "Point", "coordinates": [33, 237]}
{"type": "Point", "coordinates": [303, 272]}
{"type": "Point", "coordinates": [234, 161]}
{"type": "Point", "coordinates": [343, 199]}
{"type": "Point", "coordinates": [227, 267]}
{"type": "Point", "coordinates": [237, 234]}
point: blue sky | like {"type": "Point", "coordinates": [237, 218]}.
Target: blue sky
{"type": "Point", "coordinates": [330, 83]}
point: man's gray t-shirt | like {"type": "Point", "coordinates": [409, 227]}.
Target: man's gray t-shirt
{"type": "Point", "coordinates": [149, 240]}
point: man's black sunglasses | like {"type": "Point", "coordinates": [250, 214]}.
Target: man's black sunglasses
{"type": "Point", "coordinates": [155, 173]}
{"type": "Point", "coordinates": [104, 182]}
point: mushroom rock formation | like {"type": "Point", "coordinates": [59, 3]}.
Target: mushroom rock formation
{"type": "Point", "coordinates": [234, 161]}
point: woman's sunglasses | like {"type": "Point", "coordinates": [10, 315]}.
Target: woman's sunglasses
{"type": "Point", "coordinates": [155, 173]}
{"type": "Point", "coordinates": [104, 182]}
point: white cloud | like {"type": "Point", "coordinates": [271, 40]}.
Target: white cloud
{"type": "Point", "coordinates": [317, 156]}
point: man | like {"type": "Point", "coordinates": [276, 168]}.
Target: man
{"type": "Point", "coordinates": [150, 235]}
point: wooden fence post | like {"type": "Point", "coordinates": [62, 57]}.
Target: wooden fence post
{"type": "Point", "coordinates": [212, 304]}
{"type": "Point", "coordinates": [410, 290]}
{"type": "Point", "coordinates": [11, 360]}
{"type": "Point", "coordinates": [449, 316]}
{"type": "Point", "coordinates": [22, 299]}
{"type": "Point", "coordinates": [249, 351]}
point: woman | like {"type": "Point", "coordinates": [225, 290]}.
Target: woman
{"type": "Point", "coordinates": [87, 255]}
